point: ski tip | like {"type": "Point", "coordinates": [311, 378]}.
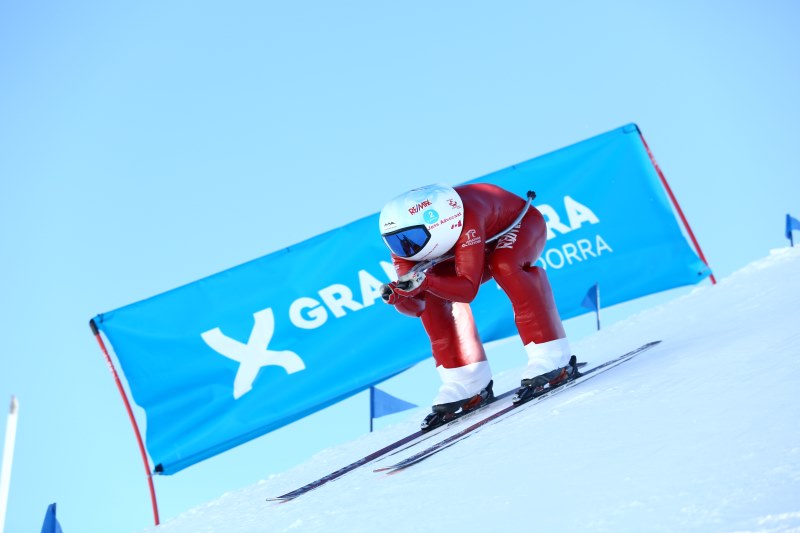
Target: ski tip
{"type": "Point", "coordinates": [389, 470]}
{"type": "Point", "coordinates": [279, 499]}
{"type": "Point", "coordinates": [394, 471]}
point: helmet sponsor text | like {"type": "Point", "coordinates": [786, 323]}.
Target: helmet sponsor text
{"type": "Point", "coordinates": [414, 209]}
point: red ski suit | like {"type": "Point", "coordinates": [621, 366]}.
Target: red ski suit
{"type": "Point", "coordinates": [451, 285]}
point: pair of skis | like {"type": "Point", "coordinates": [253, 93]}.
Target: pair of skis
{"type": "Point", "coordinates": [391, 449]}
{"type": "Point", "coordinates": [419, 436]}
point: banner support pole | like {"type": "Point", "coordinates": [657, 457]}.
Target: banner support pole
{"type": "Point", "coordinates": [677, 206]}
{"type": "Point", "coordinates": [8, 459]}
{"type": "Point", "coordinates": [136, 431]}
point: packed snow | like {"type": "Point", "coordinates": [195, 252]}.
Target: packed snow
{"type": "Point", "coordinates": [701, 433]}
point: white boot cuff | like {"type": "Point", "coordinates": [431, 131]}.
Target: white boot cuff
{"type": "Point", "coordinates": [546, 356]}
{"type": "Point", "coordinates": [463, 382]}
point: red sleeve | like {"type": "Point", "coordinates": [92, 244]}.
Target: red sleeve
{"type": "Point", "coordinates": [470, 256]}
{"type": "Point", "coordinates": [415, 305]}
{"type": "Point", "coordinates": [401, 265]}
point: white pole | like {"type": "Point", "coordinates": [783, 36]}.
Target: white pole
{"type": "Point", "coordinates": [8, 457]}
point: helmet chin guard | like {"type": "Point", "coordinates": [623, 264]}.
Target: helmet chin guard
{"type": "Point", "coordinates": [424, 223]}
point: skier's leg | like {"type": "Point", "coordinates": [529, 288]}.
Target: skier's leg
{"type": "Point", "coordinates": [457, 350]}
{"type": "Point", "coordinates": [527, 286]}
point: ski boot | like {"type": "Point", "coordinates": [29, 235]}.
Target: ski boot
{"type": "Point", "coordinates": [533, 387]}
{"type": "Point", "coordinates": [445, 412]}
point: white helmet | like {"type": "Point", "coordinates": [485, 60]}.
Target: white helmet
{"type": "Point", "coordinates": [423, 223]}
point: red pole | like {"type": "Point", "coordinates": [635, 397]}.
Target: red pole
{"type": "Point", "coordinates": [677, 207]}
{"type": "Point", "coordinates": [111, 367]}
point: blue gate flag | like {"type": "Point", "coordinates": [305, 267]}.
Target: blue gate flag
{"type": "Point", "coordinates": [791, 224]}
{"type": "Point", "coordinates": [383, 403]}
{"type": "Point", "coordinates": [231, 357]}
{"type": "Point", "coordinates": [592, 301]}
{"type": "Point", "coordinates": [592, 298]}
{"type": "Point", "coordinates": [51, 524]}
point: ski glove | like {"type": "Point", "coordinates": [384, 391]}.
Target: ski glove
{"type": "Point", "coordinates": [410, 284]}
{"type": "Point", "coordinates": [388, 294]}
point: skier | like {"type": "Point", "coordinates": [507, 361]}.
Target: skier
{"type": "Point", "coordinates": [439, 241]}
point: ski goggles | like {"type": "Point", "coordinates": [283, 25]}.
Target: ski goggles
{"type": "Point", "coordinates": [407, 241]}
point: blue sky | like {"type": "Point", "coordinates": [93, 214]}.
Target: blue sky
{"type": "Point", "coordinates": [144, 145]}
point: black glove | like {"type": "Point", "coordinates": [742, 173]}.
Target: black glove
{"type": "Point", "coordinates": [387, 293]}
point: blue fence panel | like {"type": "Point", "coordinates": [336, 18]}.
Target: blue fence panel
{"type": "Point", "coordinates": [231, 357]}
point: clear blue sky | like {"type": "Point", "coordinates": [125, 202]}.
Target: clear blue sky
{"type": "Point", "coordinates": [144, 145]}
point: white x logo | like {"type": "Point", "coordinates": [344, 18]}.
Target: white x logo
{"type": "Point", "coordinates": [253, 355]}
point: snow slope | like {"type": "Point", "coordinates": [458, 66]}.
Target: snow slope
{"type": "Point", "coordinates": [701, 433]}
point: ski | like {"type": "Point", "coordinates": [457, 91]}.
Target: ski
{"type": "Point", "coordinates": [406, 442]}
{"type": "Point", "coordinates": [547, 393]}
{"type": "Point", "coordinates": [398, 446]}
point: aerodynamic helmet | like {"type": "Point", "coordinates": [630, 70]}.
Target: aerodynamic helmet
{"type": "Point", "coordinates": [423, 223]}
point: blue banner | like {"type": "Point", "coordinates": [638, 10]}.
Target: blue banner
{"type": "Point", "coordinates": [231, 357]}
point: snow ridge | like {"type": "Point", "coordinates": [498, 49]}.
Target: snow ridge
{"type": "Point", "coordinates": [701, 433]}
